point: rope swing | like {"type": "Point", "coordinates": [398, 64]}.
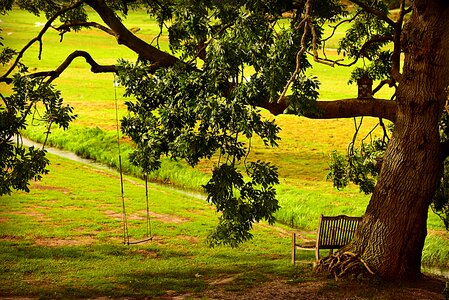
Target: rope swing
{"type": "Point", "coordinates": [126, 238]}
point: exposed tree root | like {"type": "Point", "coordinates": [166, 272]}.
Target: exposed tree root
{"type": "Point", "coordinates": [345, 264]}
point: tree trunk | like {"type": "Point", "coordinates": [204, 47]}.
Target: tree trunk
{"type": "Point", "coordinates": [392, 233]}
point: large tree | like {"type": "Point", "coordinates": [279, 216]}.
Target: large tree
{"type": "Point", "coordinates": [230, 58]}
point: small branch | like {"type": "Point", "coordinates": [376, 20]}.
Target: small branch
{"type": "Point", "coordinates": [384, 129]}
{"type": "Point", "coordinates": [335, 27]}
{"type": "Point", "coordinates": [95, 67]}
{"type": "Point", "coordinates": [403, 11]}
{"type": "Point", "coordinates": [325, 61]}
{"type": "Point", "coordinates": [330, 62]}
{"type": "Point", "coordinates": [379, 14]}
{"type": "Point", "coordinates": [381, 84]}
{"type": "Point", "coordinates": [201, 54]}
{"type": "Point", "coordinates": [396, 57]}
{"type": "Point", "coordinates": [38, 38]}
{"type": "Point", "coordinates": [354, 137]}
{"type": "Point", "coordinates": [307, 22]}
{"type": "Point", "coordinates": [373, 40]}
{"type": "Point", "coordinates": [66, 27]}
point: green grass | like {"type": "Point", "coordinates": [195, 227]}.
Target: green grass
{"type": "Point", "coordinates": [80, 208]}
{"type": "Point", "coordinates": [64, 239]}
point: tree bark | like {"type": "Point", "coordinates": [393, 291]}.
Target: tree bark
{"type": "Point", "coordinates": [392, 233]}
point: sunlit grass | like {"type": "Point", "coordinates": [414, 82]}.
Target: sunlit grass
{"type": "Point", "coordinates": [64, 239]}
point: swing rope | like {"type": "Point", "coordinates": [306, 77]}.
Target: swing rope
{"type": "Point", "coordinates": [148, 236]}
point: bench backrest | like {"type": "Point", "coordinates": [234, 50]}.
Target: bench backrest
{"type": "Point", "coordinates": [336, 232]}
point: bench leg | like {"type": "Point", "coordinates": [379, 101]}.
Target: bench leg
{"type": "Point", "coordinates": [293, 248]}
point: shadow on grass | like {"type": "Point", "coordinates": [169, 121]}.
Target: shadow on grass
{"type": "Point", "coordinates": [103, 270]}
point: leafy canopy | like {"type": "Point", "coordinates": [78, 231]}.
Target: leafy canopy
{"type": "Point", "coordinates": [207, 104]}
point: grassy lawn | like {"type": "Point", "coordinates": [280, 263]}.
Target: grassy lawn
{"type": "Point", "coordinates": [64, 239]}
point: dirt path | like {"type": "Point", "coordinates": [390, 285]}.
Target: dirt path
{"type": "Point", "coordinates": [428, 288]}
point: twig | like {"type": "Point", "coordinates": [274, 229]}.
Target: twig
{"type": "Point", "coordinates": [66, 27]}
{"type": "Point", "coordinates": [380, 14]}
{"type": "Point", "coordinates": [382, 124]}
{"type": "Point", "coordinates": [306, 21]}
{"type": "Point", "coordinates": [335, 27]}
{"type": "Point", "coordinates": [354, 137]}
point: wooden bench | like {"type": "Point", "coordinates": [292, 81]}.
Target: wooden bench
{"type": "Point", "coordinates": [333, 233]}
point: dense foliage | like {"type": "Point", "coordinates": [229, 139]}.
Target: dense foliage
{"type": "Point", "coordinates": [207, 104]}
{"type": "Point", "coordinates": [19, 164]}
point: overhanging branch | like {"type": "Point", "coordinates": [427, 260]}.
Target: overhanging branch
{"type": "Point", "coordinates": [95, 67]}
{"type": "Point", "coordinates": [38, 38]}
{"type": "Point", "coordinates": [125, 37]}
{"type": "Point", "coordinates": [344, 108]}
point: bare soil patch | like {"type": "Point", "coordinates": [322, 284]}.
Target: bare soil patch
{"type": "Point", "coordinates": [190, 239]}
{"type": "Point", "coordinates": [39, 217]}
{"type": "Point", "coordinates": [4, 219]}
{"type": "Point", "coordinates": [281, 232]}
{"type": "Point", "coordinates": [55, 242]}
{"type": "Point", "coordinates": [141, 215]}
{"type": "Point", "coordinates": [36, 185]}
{"type": "Point", "coordinates": [146, 253]}
{"type": "Point", "coordinates": [166, 218]}
{"type": "Point", "coordinates": [427, 288]}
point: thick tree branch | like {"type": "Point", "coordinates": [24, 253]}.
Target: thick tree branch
{"type": "Point", "coordinates": [125, 37]}
{"type": "Point", "coordinates": [95, 67]}
{"type": "Point", "coordinates": [345, 108]}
